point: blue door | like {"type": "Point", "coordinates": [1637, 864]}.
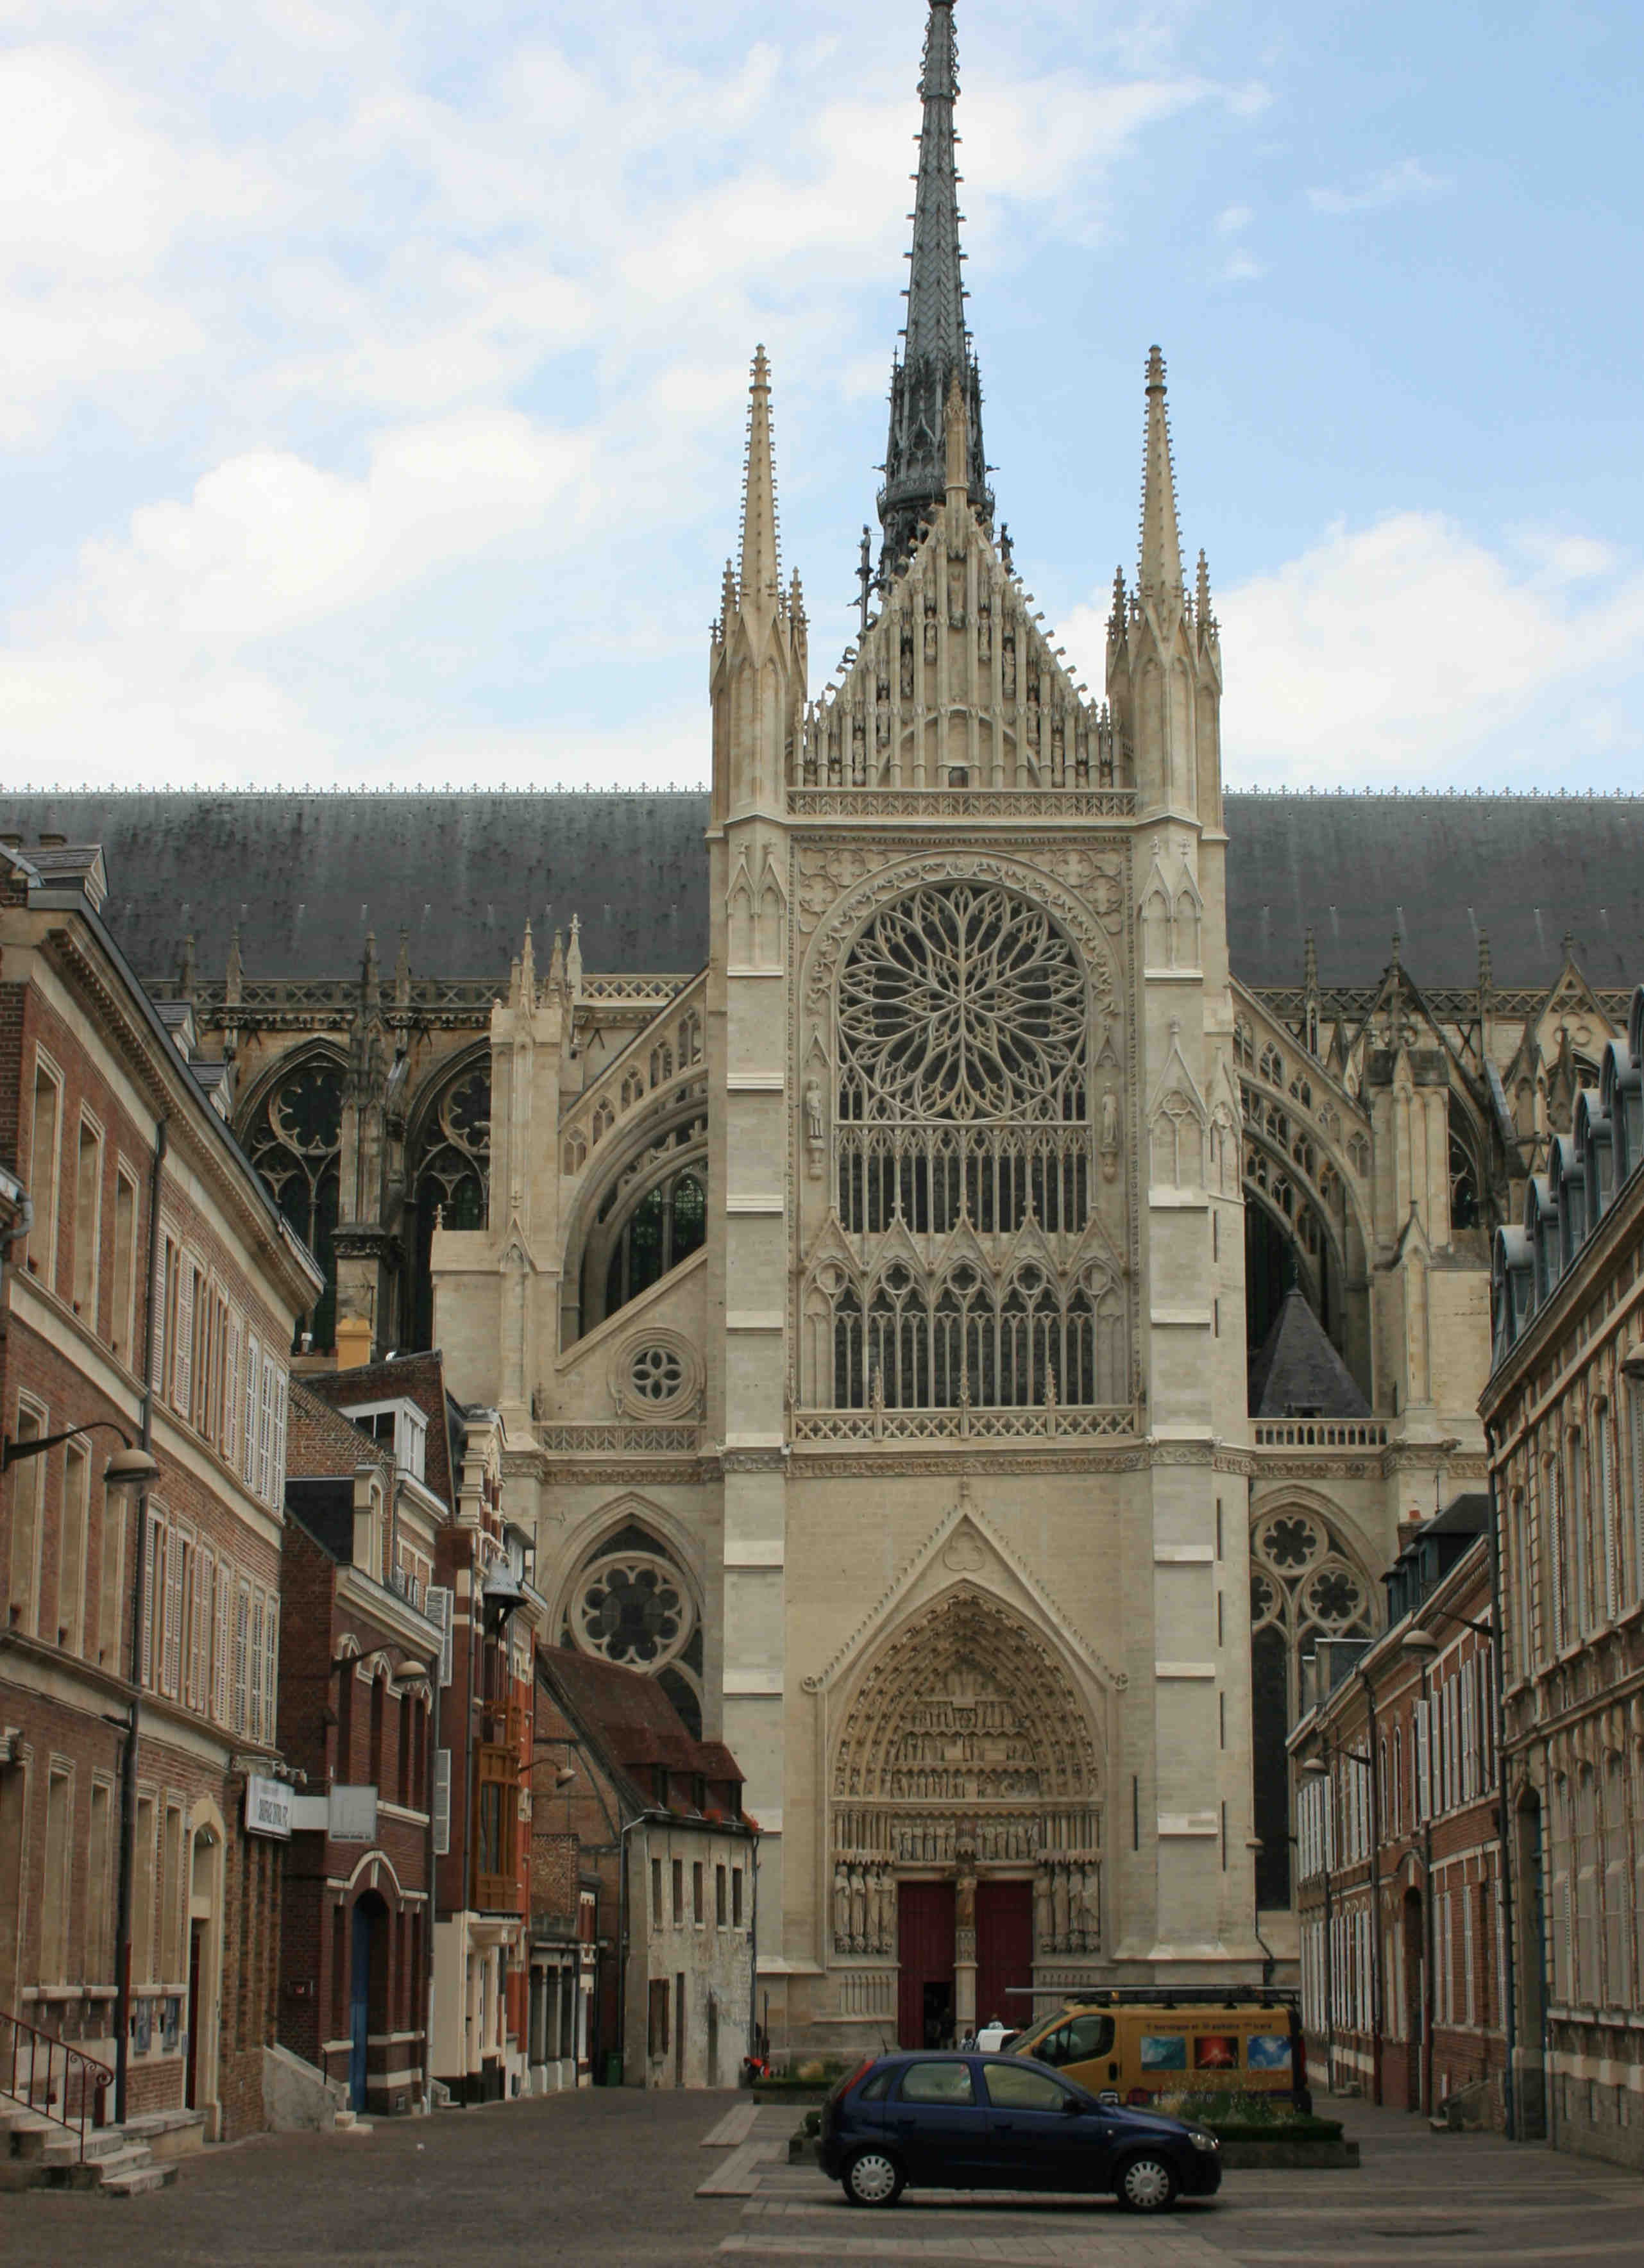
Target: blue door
{"type": "Point", "coordinates": [939, 2124]}
{"type": "Point", "coordinates": [359, 2006]}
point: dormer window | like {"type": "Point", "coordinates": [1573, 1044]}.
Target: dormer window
{"type": "Point", "coordinates": [398, 1426]}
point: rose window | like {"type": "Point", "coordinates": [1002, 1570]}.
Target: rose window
{"type": "Point", "coordinates": [1334, 1596]}
{"type": "Point", "coordinates": [964, 1002]}
{"type": "Point", "coordinates": [632, 1610]}
{"type": "Point", "coordinates": [656, 1373]}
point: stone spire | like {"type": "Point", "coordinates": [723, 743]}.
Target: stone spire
{"type": "Point", "coordinates": [1161, 568]}
{"type": "Point", "coordinates": [759, 573]}
{"type": "Point", "coordinates": [936, 344]}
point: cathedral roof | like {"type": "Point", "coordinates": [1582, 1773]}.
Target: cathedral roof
{"type": "Point", "coordinates": [1298, 1372]}
{"type": "Point", "coordinates": [306, 876]}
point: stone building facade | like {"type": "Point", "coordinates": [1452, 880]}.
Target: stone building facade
{"type": "Point", "coordinates": [1564, 1410]}
{"type": "Point", "coordinates": [863, 1188]}
{"type": "Point", "coordinates": [151, 1287]}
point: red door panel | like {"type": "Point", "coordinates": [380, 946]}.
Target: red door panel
{"type": "Point", "coordinates": [924, 1948]}
{"type": "Point", "coordinates": [1004, 1952]}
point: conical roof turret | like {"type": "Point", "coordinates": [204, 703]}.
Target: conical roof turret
{"type": "Point", "coordinates": [936, 344]}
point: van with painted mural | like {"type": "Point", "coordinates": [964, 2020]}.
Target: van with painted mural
{"type": "Point", "coordinates": [1166, 2043]}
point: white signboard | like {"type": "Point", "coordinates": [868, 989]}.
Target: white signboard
{"type": "Point", "coordinates": [268, 1808]}
{"type": "Point", "coordinates": [353, 1814]}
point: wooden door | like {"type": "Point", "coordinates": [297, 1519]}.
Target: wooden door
{"type": "Point", "coordinates": [924, 1948]}
{"type": "Point", "coordinates": [1003, 1953]}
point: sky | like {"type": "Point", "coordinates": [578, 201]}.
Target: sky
{"type": "Point", "coordinates": [373, 397]}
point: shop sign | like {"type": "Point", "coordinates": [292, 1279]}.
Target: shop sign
{"type": "Point", "coordinates": [268, 1808]}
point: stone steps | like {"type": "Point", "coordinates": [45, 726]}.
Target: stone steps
{"type": "Point", "coordinates": [40, 2152]}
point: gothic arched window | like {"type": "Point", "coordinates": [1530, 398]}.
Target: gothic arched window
{"type": "Point", "coordinates": [294, 1139]}
{"type": "Point", "coordinates": [651, 1217]}
{"type": "Point", "coordinates": [451, 1180]}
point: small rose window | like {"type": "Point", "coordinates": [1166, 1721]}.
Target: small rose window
{"type": "Point", "coordinates": [656, 1373]}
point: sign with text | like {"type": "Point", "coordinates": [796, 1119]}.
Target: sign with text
{"type": "Point", "coordinates": [353, 1814]}
{"type": "Point", "coordinates": [268, 1808]}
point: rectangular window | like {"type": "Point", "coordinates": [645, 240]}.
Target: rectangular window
{"type": "Point", "coordinates": [142, 1895]}
{"type": "Point", "coordinates": [28, 1491]}
{"type": "Point", "coordinates": [182, 1337]}
{"type": "Point", "coordinates": [277, 1488]}
{"type": "Point", "coordinates": [98, 1902]}
{"type": "Point", "coordinates": [695, 1892]}
{"type": "Point", "coordinates": [153, 1601]}
{"type": "Point", "coordinates": [254, 1688]}
{"type": "Point", "coordinates": [496, 1812]}
{"type": "Point", "coordinates": [111, 1594]}
{"type": "Point", "coordinates": [442, 1801]}
{"type": "Point", "coordinates": [270, 1671]}
{"type": "Point", "coordinates": [179, 1570]}
{"type": "Point", "coordinates": [40, 1254]}
{"type": "Point", "coordinates": [122, 1310]}
{"type": "Point", "coordinates": [173, 1904]}
{"type": "Point", "coordinates": [1468, 1986]}
{"type": "Point", "coordinates": [679, 1892]}
{"type": "Point", "coordinates": [265, 1434]}
{"type": "Point", "coordinates": [736, 1897]}
{"type": "Point", "coordinates": [88, 1222]}
{"type": "Point", "coordinates": [656, 2017]}
{"type": "Point", "coordinates": [165, 1299]}
{"type": "Point", "coordinates": [656, 1894]}
{"type": "Point", "coordinates": [230, 1391]}
{"type": "Point", "coordinates": [719, 1905]}
{"type": "Point", "coordinates": [73, 1556]}
{"type": "Point", "coordinates": [54, 1920]}
{"type": "Point", "coordinates": [203, 1631]}
{"type": "Point", "coordinates": [242, 1659]}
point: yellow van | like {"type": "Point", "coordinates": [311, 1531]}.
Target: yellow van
{"type": "Point", "coordinates": [1161, 2044]}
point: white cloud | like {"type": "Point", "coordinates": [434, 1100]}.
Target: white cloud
{"type": "Point", "coordinates": [1409, 650]}
{"type": "Point", "coordinates": [1233, 219]}
{"type": "Point", "coordinates": [1395, 185]}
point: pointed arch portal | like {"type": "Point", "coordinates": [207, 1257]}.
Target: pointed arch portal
{"type": "Point", "coordinates": [967, 1810]}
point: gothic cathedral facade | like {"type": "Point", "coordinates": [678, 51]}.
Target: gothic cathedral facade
{"type": "Point", "coordinates": [956, 1095]}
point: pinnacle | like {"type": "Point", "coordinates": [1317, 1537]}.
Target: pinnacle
{"type": "Point", "coordinates": [1161, 564]}
{"type": "Point", "coordinates": [759, 573]}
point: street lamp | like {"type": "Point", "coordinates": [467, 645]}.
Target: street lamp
{"type": "Point", "coordinates": [129, 1466]}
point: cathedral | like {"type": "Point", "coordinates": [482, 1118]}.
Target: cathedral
{"type": "Point", "coordinates": [978, 1240]}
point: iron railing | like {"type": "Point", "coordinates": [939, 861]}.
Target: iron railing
{"type": "Point", "coordinates": [57, 2081]}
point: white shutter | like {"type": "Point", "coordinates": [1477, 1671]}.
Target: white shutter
{"type": "Point", "coordinates": [182, 1368]}
{"type": "Point", "coordinates": [439, 1611]}
{"type": "Point", "coordinates": [242, 1642]}
{"type": "Point", "coordinates": [265, 1431]}
{"type": "Point", "coordinates": [230, 1391]}
{"type": "Point", "coordinates": [271, 1672]}
{"type": "Point", "coordinates": [157, 1303]}
{"type": "Point", "coordinates": [1424, 1810]}
{"type": "Point", "coordinates": [249, 1444]}
{"type": "Point", "coordinates": [172, 1665]}
{"type": "Point", "coordinates": [278, 1497]}
{"type": "Point", "coordinates": [153, 1605]}
{"type": "Point", "coordinates": [442, 1801]}
{"type": "Point", "coordinates": [219, 1666]}
{"type": "Point", "coordinates": [253, 1685]}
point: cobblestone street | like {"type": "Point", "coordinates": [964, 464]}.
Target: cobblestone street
{"type": "Point", "coordinates": [615, 2178]}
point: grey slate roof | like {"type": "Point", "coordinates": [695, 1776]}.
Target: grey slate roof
{"type": "Point", "coordinates": [1298, 1371]}
{"type": "Point", "coordinates": [306, 875]}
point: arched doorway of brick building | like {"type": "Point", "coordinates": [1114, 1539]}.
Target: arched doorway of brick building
{"type": "Point", "coordinates": [368, 1979]}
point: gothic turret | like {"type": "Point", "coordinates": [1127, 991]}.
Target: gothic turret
{"type": "Point", "coordinates": [936, 348]}
{"type": "Point", "coordinates": [756, 669]}
{"type": "Point", "coordinates": [1164, 654]}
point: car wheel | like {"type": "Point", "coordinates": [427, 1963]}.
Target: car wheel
{"type": "Point", "coordinates": [872, 2178]}
{"type": "Point", "coordinates": [1146, 2184]}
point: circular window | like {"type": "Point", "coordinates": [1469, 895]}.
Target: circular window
{"type": "Point", "coordinates": [655, 1372]}
{"type": "Point", "coordinates": [632, 1608]}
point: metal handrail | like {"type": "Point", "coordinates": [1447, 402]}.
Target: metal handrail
{"type": "Point", "coordinates": [94, 2078]}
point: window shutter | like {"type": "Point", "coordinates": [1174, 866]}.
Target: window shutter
{"type": "Point", "coordinates": [153, 1605]}
{"type": "Point", "coordinates": [231, 1392]}
{"type": "Point", "coordinates": [271, 1672]}
{"type": "Point", "coordinates": [278, 1497]}
{"type": "Point", "coordinates": [265, 1431]}
{"type": "Point", "coordinates": [439, 1611]}
{"type": "Point", "coordinates": [242, 1641]}
{"type": "Point", "coordinates": [254, 1687]}
{"type": "Point", "coordinates": [442, 1801]}
{"type": "Point", "coordinates": [248, 1445]}
{"type": "Point", "coordinates": [220, 1669]}
{"type": "Point", "coordinates": [182, 1368]}
{"type": "Point", "coordinates": [200, 1633]}
{"type": "Point", "coordinates": [170, 1664]}
{"type": "Point", "coordinates": [156, 1301]}
{"type": "Point", "coordinates": [1423, 1763]}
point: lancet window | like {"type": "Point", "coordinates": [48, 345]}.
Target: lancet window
{"type": "Point", "coordinates": [294, 1140]}
{"type": "Point", "coordinates": [452, 1178]}
{"type": "Point", "coordinates": [653, 1217]}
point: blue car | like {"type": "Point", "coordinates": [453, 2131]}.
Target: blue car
{"type": "Point", "coordinates": [1001, 2121]}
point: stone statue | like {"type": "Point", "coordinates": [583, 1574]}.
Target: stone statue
{"type": "Point", "coordinates": [841, 1908]}
{"type": "Point", "coordinates": [1042, 1918]}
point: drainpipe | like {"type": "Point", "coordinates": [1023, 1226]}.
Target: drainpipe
{"type": "Point", "coordinates": [1378, 1986]}
{"type": "Point", "coordinates": [753, 1956]}
{"type": "Point", "coordinates": [1509, 1974]}
{"type": "Point", "coordinates": [433, 1883]}
{"type": "Point", "coordinates": [128, 1759]}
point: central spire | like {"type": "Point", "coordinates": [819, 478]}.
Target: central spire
{"type": "Point", "coordinates": [937, 345]}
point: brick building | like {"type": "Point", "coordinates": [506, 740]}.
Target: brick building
{"type": "Point", "coordinates": [481, 1595]}
{"type": "Point", "coordinates": [1401, 1906]}
{"type": "Point", "coordinates": [1564, 1413]}
{"type": "Point", "coordinates": [672, 1856]}
{"type": "Point", "coordinates": [358, 1678]}
{"type": "Point", "coordinates": [151, 1287]}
